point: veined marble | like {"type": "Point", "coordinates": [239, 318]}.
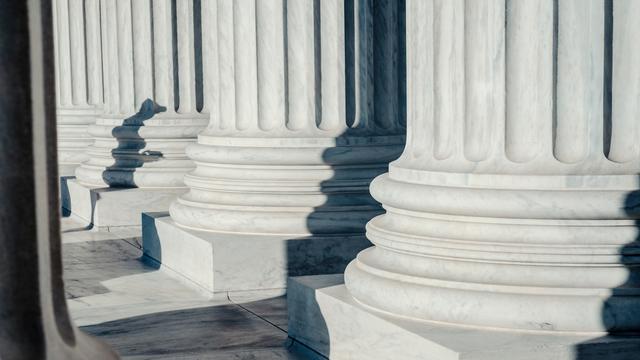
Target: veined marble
{"type": "Point", "coordinates": [306, 107]}
{"type": "Point", "coordinates": [514, 204]}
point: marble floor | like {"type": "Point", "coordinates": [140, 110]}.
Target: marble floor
{"type": "Point", "coordinates": [117, 295]}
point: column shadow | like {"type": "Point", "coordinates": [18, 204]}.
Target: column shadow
{"type": "Point", "coordinates": [619, 344]}
{"type": "Point", "coordinates": [375, 101]}
{"type": "Point", "coordinates": [127, 155]}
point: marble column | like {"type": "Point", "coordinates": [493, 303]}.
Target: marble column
{"type": "Point", "coordinates": [151, 102]}
{"type": "Point", "coordinates": [514, 204]}
{"type": "Point", "coordinates": [34, 322]}
{"type": "Point", "coordinates": [78, 77]}
{"type": "Point", "coordinates": [306, 106]}
{"type": "Point", "coordinates": [152, 112]}
{"type": "Point", "coordinates": [302, 118]}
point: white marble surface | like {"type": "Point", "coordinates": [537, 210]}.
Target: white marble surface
{"type": "Point", "coordinates": [245, 265]}
{"type": "Point", "coordinates": [511, 206]}
{"type": "Point", "coordinates": [78, 70]}
{"type": "Point", "coordinates": [114, 208]}
{"type": "Point", "coordinates": [287, 151]}
{"type": "Point", "coordinates": [143, 313]}
{"type": "Point", "coordinates": [324, 317]}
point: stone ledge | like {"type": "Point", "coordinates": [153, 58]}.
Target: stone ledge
{"type": "Point", "coordinates": [105, 208]}
{"type": "Point", "coordinates": [245, 265]}
{"type": "Point", "coordinates": [324, 317]}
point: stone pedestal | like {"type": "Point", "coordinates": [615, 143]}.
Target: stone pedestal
{"type": "Point", "coordinates": [241, 264]}
{"type": "Point", "coordinates": [106, 208]}
{"type": "Point", "coordinates": [325, 317]}
{"type": "Point", "coordinates": [303, 117]}
{"type": "Point", "coordinates": [34, 321]}
{"type": "Point", "coordinates": [152, 104]}
{"type": "Point", "coordinates": [514, 205]}
{"type": "Point", "coordinates": [78, 66]}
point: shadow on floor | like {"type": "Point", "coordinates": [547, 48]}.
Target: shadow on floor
{"type": "Point", "coordinates": [212, 332]}
{"type": "Point", "coordinates": [88, 264]}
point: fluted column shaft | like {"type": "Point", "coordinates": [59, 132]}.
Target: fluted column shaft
{"type": "Point", "coordinates": [514, 204]}
{"type": "Point", "coordinates": [151, 108]}
{"type": "Point", "coordinates": [306, 106]}
{"type": "Point", "coordinates": [78, 76]}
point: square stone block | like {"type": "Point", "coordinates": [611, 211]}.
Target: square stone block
{"type": "Point", "coordinates": [252, 265]}
{"type": "Point", "coordinates": [325, 318]}
{"type": "Point", "coordinates": [112, 207]}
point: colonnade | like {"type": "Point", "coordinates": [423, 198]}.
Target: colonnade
{"type": "Point", "coordinates": [512, 206]}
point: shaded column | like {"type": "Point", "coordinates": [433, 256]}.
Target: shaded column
{"type": "Point", "coordinates": [306, 105]}
{"type": "Point", "coordinates": [151, 110]}
{"type": "Point", "coordinates": [34, 322]}
{"type": "Point", "coordinates": [514, 204]}
{"type": "Point", "coordinates": [78, 77]}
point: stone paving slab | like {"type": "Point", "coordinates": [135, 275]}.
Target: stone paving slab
{"type": "Point", "coordinates": [114, 293]}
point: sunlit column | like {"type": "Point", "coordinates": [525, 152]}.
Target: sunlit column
{"type": "Point", "coordinates": [306, 106]}
{"type": "Point", "coordinates": [514, 204]}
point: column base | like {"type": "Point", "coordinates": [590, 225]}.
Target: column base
{"type": "Point", "coordinates": [324, 317]}
{"type": "Point", "coordinates": [67, 169]}
{"type": "Point", "coordinates": [105, 208]}
{"type": "Point", "coordinates": [251, 265]}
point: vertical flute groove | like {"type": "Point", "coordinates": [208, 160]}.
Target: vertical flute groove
{"type": "Point", "coordinates": [77, 46]}
{"type": "Point", "coordinates": [186, 56]}
{"type": "Point", "coordinates": [386, 64]}
{"type": "Point", "coordinates": [226, 45]}
{"type": "Point", "coordinates": [301, 64]}
{"type": "Point", "coordinates": [245, 58]}
{"type": "Point", "coordinates": [65, 95]}
{"type": "Point", "coordinates": [210, 65]}
{"type": "Point", "coordinates": [142, 51]}
{"type": "Point", "coordinates": [484, 69]}
{"type": "Point", "coordinates": [163, 54]}
{"type": "Point", "coordinates": [332, 65]}
{"type": "Point", "coordinates": [420, 60]}
{"type": "Point", "coordinates": [112, 58]}
{"type": "Point", "coordinates": [270, 63]}
{"type": "Point", "coordinates": [579, 96]}
{"type": "Point", "coordinates": [529, 78]}
{"type": "Point", "coordinates": [625, 127]}
{"type": "Point", "coordinates": [448, 112]}
{"type": "Point", "coordinates": [125, 57]}
{"type": "Point", "coordinates": [94, 46]}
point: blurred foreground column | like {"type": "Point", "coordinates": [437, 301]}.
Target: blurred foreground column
{"type": "Point", "coordinates": [514, 205]}
{"type": "Point", "coordinates": [78, 78]}
{"type": "Point", "coordinates": [306, 105]}
{"type": "Point", "coordinates": [137, 161]}
{"type": "Point", "coordinates": [34, 323]}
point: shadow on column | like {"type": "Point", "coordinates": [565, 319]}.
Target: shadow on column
{"type": "Point", "coordinates": [375, 101]}
{"type": "Point", "coordinates": [620, 345]}
{"type": "Point", "coordinates": [127, 154]}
